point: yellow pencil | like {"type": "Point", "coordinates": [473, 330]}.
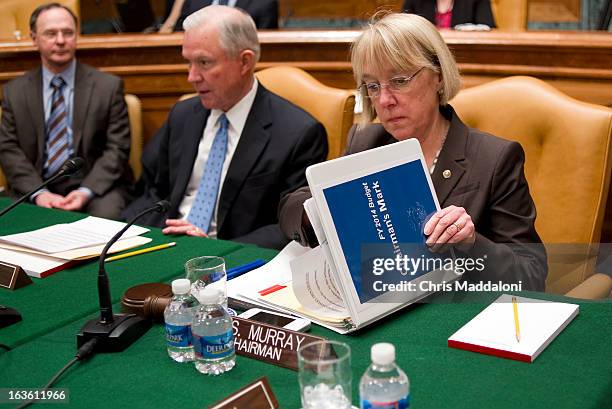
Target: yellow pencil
{"type": "Point", "coordinates": [142, 251]}
{"type": "Point", "coordinates": [517, 328]}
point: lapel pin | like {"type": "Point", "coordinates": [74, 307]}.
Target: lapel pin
{"type": "Point", "coordinates": [446, 174]}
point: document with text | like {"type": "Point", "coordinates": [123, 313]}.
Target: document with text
{"type": "Point", "coordinates": [90, 231]}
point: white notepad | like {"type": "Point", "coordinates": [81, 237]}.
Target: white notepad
{"type": "Point", "coordinates": [493, 332]}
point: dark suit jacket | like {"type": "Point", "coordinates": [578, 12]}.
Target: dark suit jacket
{"type": "Point", "coordinates": [100, 125]}
{"type": "Point", "coordinates": [278, 142]}
{"type": "Point", "coordinates": [263, 12]}
{"type": "Point", "coordinates": [464, 11]}
{"type": "Point", "coordinates": [487, 179]}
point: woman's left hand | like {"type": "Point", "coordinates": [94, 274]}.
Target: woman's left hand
{"type": "Point", "coordinates": [451, 226]}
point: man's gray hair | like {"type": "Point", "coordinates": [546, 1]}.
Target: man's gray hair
{"type": "Point", "coordinates": [237, 30]}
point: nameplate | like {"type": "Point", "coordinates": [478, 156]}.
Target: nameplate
{"type": "Point", "coordinates": [257, 395]}
{"type": "Point", "coordinates": [269, 343]}
{"type": "Point", "coordinates": [12, 276]}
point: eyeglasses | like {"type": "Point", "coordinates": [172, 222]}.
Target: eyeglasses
{"type": "Point", "coordinates": [397, 84]}
{"type": "Point", "coordinates": [52, 34]}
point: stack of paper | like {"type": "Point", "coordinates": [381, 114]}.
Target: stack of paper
{"type": "Point", "coordinates": [45, 251]}
{"type": "Point", "coordinates": [494, 331]}
{"type": "Point", "coordinates": [297, 282]}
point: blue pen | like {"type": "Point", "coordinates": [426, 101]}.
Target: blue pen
{"type": "Point", "coordinates": [245, 268]}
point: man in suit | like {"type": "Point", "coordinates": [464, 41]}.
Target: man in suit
{"type": "Point", "coordinates": [226, 157]}
{"type": "Point", "coordinates": [61, 110]}
{"type": "Point", "coordinates": [263, 12]}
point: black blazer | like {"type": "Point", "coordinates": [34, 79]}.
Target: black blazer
{"type": "Point", "coordinates": [278, 142]}
{"type": "Point", "coordinates": [263, 12]}
{"type": "Point", "coordinates": [464, 11]}
{"type": "Point", "coordinates": [487, 179]}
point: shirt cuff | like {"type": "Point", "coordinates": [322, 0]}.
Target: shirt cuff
{"type": "Point", "coordinates": [87, 191]}
{"type": "Point", "coordinates": [36, 194]}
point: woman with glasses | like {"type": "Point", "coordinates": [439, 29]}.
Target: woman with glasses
{"type": "Point", "coordinates": [406, 75]}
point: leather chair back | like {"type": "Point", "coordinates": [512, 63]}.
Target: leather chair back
{"type": "Point", "coordinates": [135, 114]}
{"type": "Point", "coordinates": [8, 21]}
{"type": "Point", "coordinates": [333, 107]}
{"type": "Point", "coordinates": [510, 15]}
{"type": "Point", "coordinates": [15, 15]}
{"type": "Point", "coordinates": [567, 146]}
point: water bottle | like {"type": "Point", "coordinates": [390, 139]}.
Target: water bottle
{"type": "Point", "coordinates": [384, 385]}
{"type": "Point", "coordinates": [178, 316]}
{"type": "Point", "coordinates": [213, 337]}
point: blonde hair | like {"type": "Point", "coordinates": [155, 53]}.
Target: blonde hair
{"type": "Point", "coordinates": [405, 42]}
{"type": "Point", "coordinates": [237, 30]}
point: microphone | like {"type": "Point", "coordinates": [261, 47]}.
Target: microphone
{"type": "Point", "coordinates": [115, 332]}
{"type": "Point", "coordinates": [69, 167]}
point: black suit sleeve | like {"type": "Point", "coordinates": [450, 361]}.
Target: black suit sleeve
{"type": "Point", "coordinates": [311, 148]}
{"type": "Point", "coordinates": [409, 7]}
{"type": "Point", "coordinates": [189, 7]}
{"type": "Point", "coordinates": [291, 214]}
{"type": "Point", "coordinates": [266, 16]}
{"type": "Point", "coordinates": [513, 250]}
{"type": "Point", "coordinates": [483, 13]}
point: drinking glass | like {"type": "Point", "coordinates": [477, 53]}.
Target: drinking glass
{"type": "Point", "coordinates": [207, 271]}
{"type": "Point", "coordinates": [325, 375]}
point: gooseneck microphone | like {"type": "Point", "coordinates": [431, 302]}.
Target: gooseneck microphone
{"type": "Point", "coordinates": [69, 167]}
{"type": "Point", "coordinates": [115, 332]}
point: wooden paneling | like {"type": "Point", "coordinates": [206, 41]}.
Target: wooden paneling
{"type": "Point", "coordinates": [103, 9]}
{"type": "Point", "coordinates": [554, 10]}
{"type": "Point", "coordinates": [579, 64]}
{"type": "Point", "coordinates": [97, 10]}
{"type": "Point", "coordinates": [357, 9]}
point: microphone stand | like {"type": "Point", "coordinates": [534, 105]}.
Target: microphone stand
{"type": "Point", "coordinates": [115, 332]}
{"type": "Point", "coordinates": [68, 168]}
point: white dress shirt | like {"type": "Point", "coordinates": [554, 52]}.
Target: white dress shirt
{"type": "Point", "coordinates": [236, 116]}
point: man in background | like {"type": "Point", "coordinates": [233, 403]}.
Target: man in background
{"type": "Point", "coordinates": [61, 110]}
{"type": "Point", "coordinates": [225, 157]}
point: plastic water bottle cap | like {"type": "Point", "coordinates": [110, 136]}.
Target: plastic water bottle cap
{"type": "Point", "coordinates": [383, 353]}
{"type": "Point", "coordinates": [181, 286]}
{"type": "Point", "coordinates": [208, 295]}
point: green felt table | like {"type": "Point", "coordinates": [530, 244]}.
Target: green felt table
{"type": "Point", "coordinates": [574, 371]}
{"type": "Point", "coordinates": [65, 296]}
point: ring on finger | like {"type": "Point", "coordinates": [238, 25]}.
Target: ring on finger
{"type": "Point", "coordinates": [455, 226]}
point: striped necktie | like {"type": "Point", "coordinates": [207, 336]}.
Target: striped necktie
{"type": "Point", "coordinates": [203, 206]}
{"type": "Point", "coordinates": [57, 148]}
